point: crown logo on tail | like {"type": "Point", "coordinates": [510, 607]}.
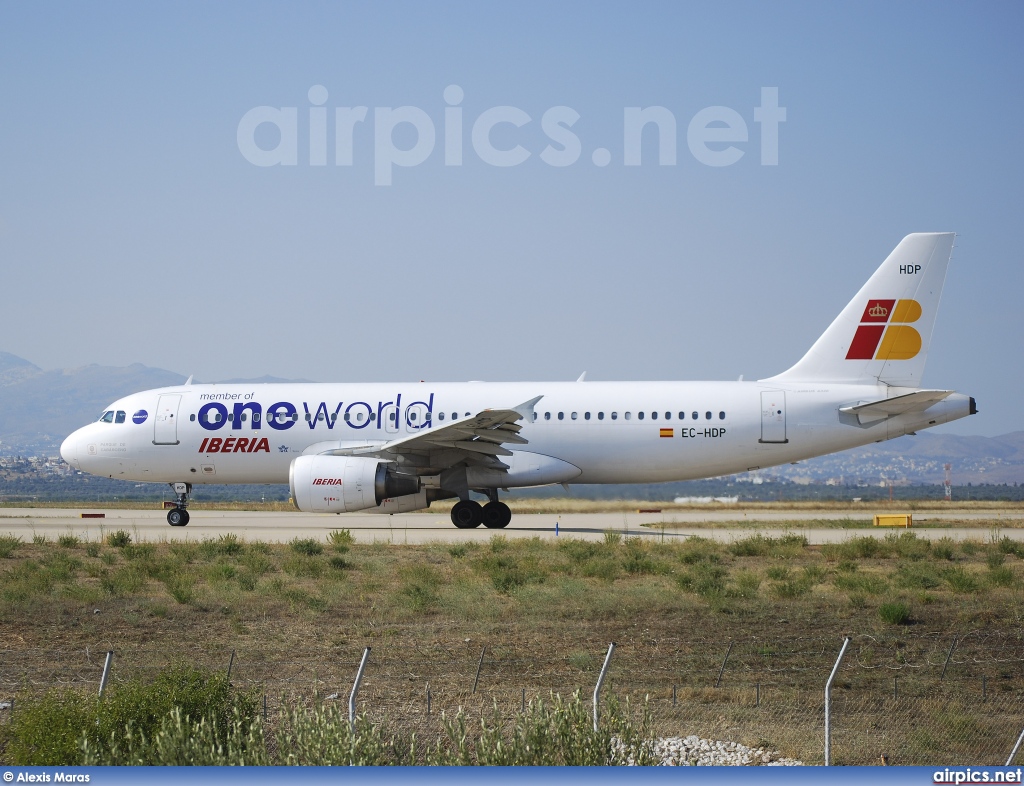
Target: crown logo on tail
{"type": "Point", "coordinates": [878, 311]}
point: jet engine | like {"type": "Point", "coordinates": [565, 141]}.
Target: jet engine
{"type": "Point", "coordinates": [339, 484]}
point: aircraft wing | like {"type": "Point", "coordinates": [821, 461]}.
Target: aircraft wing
{"type": "Point", "coordinates": [917, 401]}
{"type": "Point", "coordinates": [477, 440]}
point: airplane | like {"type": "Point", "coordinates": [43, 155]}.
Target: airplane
{"type": "Point", "coordinates": [392, 448]}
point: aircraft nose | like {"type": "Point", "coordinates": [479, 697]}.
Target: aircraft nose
{"type": "Point", "coordinates": [69, 450]}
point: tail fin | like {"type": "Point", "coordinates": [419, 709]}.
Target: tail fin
{"type": "Point", "coordinates": [884, 332]}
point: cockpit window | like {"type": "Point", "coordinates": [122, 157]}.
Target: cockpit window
{"type": "Point", "coordinates": [107, 417]}
{"type": "Point", "coordinates": [119, 418]}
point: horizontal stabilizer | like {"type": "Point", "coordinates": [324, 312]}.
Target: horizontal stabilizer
{"type": "Point", "coordinates": [897, 405]}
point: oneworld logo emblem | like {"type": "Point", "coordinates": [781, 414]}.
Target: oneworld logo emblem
{"type": "Point", "coordinates": [140, 417]}
{"type": "Point", "coordinates": [885, 332]}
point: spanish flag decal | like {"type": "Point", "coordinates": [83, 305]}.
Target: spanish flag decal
{"type": "Point", "coordinates": [668, 432]}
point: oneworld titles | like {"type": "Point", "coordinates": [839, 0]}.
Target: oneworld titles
{"type": "Point", "coordinates": [407, 136]}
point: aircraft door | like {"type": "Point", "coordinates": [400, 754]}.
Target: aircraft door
{"type": "Point", "coordinates": [773, 416]}
{"type": "Point", "coordinates": [389, 415]}
{"type": "Point", "coordinates": [165, 424]}
{"type": "Point", "coordinates": [415, 417]}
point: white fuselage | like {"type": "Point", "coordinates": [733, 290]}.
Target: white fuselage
{"type": "Point", "coordinates": [611, 432]}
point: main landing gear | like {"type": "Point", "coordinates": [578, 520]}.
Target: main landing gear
{"type": "Point", "coordinates": [467, 514]}
{"type": "Point", "coordinates": [178, 515]}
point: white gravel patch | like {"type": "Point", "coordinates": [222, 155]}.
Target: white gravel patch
{"type": "Point", "coordinates": [693, 751]}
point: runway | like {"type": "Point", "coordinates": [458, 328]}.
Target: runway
{"type": "Point", "coordinates": [414, 528]}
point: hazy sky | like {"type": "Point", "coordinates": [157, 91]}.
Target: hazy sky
{"type": "Point", "coordinates": [135, 228]}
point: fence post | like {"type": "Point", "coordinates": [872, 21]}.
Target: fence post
{"type": "Point", "coordinates": [757, 700]}
{"type": "Point", "coordinates": [948, 656]}
{"type": "Point", "coordinates": [895, 688]}
{"type": "Point", "coordinates": [673, 695]}
{"type": "Point", "coordinates": [106, 671]}
{"type": "Point", "coordinates": [230, 664]}
{"type": "Point", "coordinates": [721, 671]}
{"type": "Point", "coordinates": [1013, 753]}
{"type": "Point", "coordinates": [600, 680]}
{"type": "Point", "coordinates": [522, 706]}
{"type": "Point", "coordinates": [428, 698]}
{"type": "Point", "coordinates": [355, 690]}
{"type": "Point", "coordinates": [479, 665]}
{"type": "Point", "coordinates": [828, 703]}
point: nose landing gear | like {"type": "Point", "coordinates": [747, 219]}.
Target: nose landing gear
{"type": "Point", "coordinates": [178, 515]}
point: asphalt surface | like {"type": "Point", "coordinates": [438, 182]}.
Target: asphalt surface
{"type": "Point", "coordinates": [281, 527]}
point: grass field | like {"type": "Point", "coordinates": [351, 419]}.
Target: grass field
{"type": "Point", "coordinates": [299, 615]}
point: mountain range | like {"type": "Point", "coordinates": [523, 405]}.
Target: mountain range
{"type": "Point", "coordinates": [39, 408]}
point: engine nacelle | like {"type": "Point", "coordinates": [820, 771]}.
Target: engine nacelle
{"type": "Point", "coordinates": [339, 484]}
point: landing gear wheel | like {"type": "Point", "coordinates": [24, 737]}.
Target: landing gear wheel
{"type": "Point", "coordinates": [177, 517]}
{"type": "Point", "coordinates": [496, 515]}
{"type": "Point", "coordinates": [467, 514]}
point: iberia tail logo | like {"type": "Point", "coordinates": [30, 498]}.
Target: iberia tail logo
{"type": "Point", "coordinates": [884, 332]}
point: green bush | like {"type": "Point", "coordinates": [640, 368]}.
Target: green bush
{"type": "Point", "coordinates": [307, 547]}
{"type": "Point", "coordinates": [894, 613]}
{"type": "Point", "coordinates": [68, 541]}
{"type": "Point", "coordinates": [119, 539]}
{"type": "Point", "coordinates": [1008, 545]}
{"type": "Point", "coordinates": [959, 580]}
{"type": "Point", "coordinates": [341, 540]}
{"type": "Point", "coordinates": [943, 548]}
{"type": "Point", "coordinates": [63, 727]}
{"type": "Point", "coordinates": [612, 537]}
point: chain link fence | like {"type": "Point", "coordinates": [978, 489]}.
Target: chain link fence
{"type": "Point", "coordinates": [912, 699]}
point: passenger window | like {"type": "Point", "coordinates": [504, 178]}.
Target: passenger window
{"type": "Point", "coordinates": [547, 416]}
{"type": "Point", "coordinates": [359, 417]}
{"type": "Point", "coordinates": [654, 416]}
{"type": "Point", "coordinates": [348, 417]}
{"type": "Point", "coordinates": [467, 414]}
{"type": "Point", "coordinates": [561, 416]}
{"type": "Point", "coordinates": [256, 417]}
{"type": "Point", "coordinates": [639, 415]}
{"type": "Point", "coordinates": [295, 416]}
{"type": "Point", "coordinates": [440, 416]}
{"type": "Point", "coordinates": [373, 416]}
{"type": "Point", "coordinates": [334, 417]}
{"type": "Point", "coordinates": [721, 416]}
{"type": "Point", "coordinates": [573, 416]}
{"type": "Point", "coordinates": [192, 417]}
{"type": "Point", "coordinates": [707, 415]}
{"type": "Point", "coordinates": [682, 416]}
{"type": "Point", "coordinates": [320, 417]}
{"type": "Point", "coordinates": [120, 417]}
{"type": "Point", "coordinates": [627, 416]}
{"type": "Point", "coordinates": [695, 415]}
{"type": "Point", "coordinates": [668, 416]}
{"type": "Point", "coordinates": [586, 416]}
{"type": "Point", "coordinates": [412, 417]}
{"type": "Point", "coordinates": [615, 416]}
{"type": "Point", "coordinates": [243, 417]}
{"type": "Point", "coordinates": [600, 416]}
{"type": "Point", "coordinates": [308, 417]}
{"type": "Point", "coordinates": [391, 416]}
{"type": "Point", "coordinates": [534, 417]}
